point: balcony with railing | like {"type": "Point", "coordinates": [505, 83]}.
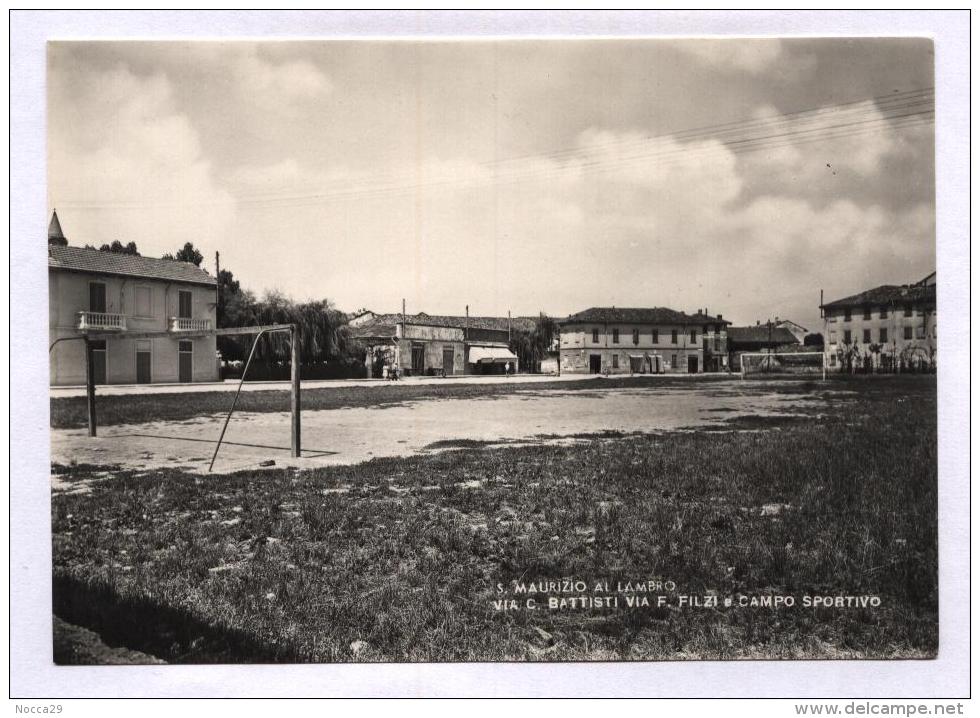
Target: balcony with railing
{"type": "Point", "coordinates": [101, 321]}
{"type": "Point", "coordinates": [185, 324]}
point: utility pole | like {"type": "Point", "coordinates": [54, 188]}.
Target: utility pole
{"type": "Point", "coordinates": [217, 274]}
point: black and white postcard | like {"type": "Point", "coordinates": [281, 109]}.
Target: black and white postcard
{"type": "Point", "coordinates": [507, 350]}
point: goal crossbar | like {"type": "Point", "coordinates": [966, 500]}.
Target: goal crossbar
{"type": "Point", "coordinates": [786, 363]}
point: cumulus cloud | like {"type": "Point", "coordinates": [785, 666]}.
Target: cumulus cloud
{"type": "Point", "coordinates": [263, 80]}
{"type": "Point", "coordinates": [740, 54]}
{"type": "Point", "coordinates": [623, 219]}
{"type": "Point", "coordinates": [131, 166]}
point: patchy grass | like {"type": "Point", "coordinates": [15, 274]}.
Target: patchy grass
{"type": "Point", "coordinates": [399, 559]}
{"type": "Point", "coordinates": [71, 412]}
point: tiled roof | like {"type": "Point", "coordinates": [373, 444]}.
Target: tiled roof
{"type": "Point", "coordinates": [759, 334]}
{"type": "Point", "coordinates": [652, 315]}
{"type": "Point", "coordinates": [374, 330]}
{"type": "Point", "coordinates": [80, 259]}
{"type": "Point", "coordinates": [441, 320]}
{"type": "Point", "coordinates": [887, 295]}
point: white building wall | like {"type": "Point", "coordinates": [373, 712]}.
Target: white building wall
{"type": "Point", "coordinates": [68, 294]}
{"type": "Point", "coordinates": [921, 325]}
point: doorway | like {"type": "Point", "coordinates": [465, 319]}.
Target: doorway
{"type": "Point", "coordinates": [99, 356]}
{"type": "Point", "coordinates": [595, 363]}
{"type": "Point", "coordinates": [692, 365]}
{"type": "Point", "coordinates": [185, 361]}
{"type": "Point", "coordinates": [143, 362]}
{"type": "Point", "coordinates": [418, 359]}
{"type": "Point", "coordinates": [448, 359]}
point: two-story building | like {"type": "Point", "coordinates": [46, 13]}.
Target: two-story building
{"type": "Point", "coordinates": [420, 344]}
{"type": "Point", "coordinates": [614, 340]}
{"type": "Point", "coordinates": [114, 298]}
{"type": "Point", "coordinates": [888, 327]}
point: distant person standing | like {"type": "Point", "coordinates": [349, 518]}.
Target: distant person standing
{"type": "Point", "coordinates": [507, 369]}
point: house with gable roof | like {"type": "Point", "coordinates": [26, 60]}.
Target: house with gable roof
{"type": "Point", "coordinates": [655, 340]}
{"type": "Point", "coordinates": [892, 326]}
{"type": "Point", "coordinates": [109, 297]}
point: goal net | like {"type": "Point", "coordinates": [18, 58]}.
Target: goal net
{"type": "Point", "coordinates": [808, 364]}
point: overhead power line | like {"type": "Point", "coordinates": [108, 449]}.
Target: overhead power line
{"type": "Point", "coordinates": [859, 117]}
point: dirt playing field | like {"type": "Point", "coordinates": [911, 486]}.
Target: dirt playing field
{"type": "Point", "coordinates": [352, 435]}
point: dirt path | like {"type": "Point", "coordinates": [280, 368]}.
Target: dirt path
{"type": "Point", "coordinates": [348, 436]}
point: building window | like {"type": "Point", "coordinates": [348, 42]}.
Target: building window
{"type": "Point", "coordinates": [833, 360]}
{"type": "Point", "coordinates": [655, 336]}
{"type": "Point", "coordinates": [636, 336]}
{"type": "Point", "coordinates": [184, 304]}
{"type": "Point", "coordinates": [141, 303]}
{"type": "Point", "coordinates": [673, 360]}
{"type": "Point", "coordinates": [883, 335]}
{"type": "Point", "coordinates": [920, 332]}
{"type": "Point", "coordinates": [867, 312]}
{"type": "Point", "coordinates": [908, 333]}
{"type": "Point", "coordinates": [908, 311]}
{"type": "Point", "coordinates": [694, 336]}
{"type": "Point", "coordinates": [615, 336]}
{"type": "Point", "coordinates": [847, 336]}
{"type": "Point", "coordinates": [595, 336]}
{"type": "Point", "coordinates": [884, 313]}
{"type": "Point", "coordinates": [847, 315]}
{"type": "Point", "coordinates": [867, 336]}
{"type": "Point", "coordinates": [673, 336]}
{"type": "Point", "coordinates": [615, 361]}
{"type": "Point", "coordinates": [96, 297]}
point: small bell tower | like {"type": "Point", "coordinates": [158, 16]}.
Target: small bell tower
{"type": "Point", "coordinates": [55, 235]}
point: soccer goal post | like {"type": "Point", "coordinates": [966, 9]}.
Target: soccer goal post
{"type": "Point", "coordinates": [808, 364]}
{"type": "Point", "coordinates": [295, 340]}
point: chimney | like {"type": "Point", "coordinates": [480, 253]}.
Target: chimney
{"type": "Point", "coordinates": [720, 317]}
{"type": "Point", "coordinates": [757, 322]}
{"type": "Point", "coordinates": [466, 326]}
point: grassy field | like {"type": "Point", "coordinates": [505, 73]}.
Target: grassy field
{"type": "Point", "coordinates": [70, 412]}
{"type": "Point", "coordinates": [400, 559]}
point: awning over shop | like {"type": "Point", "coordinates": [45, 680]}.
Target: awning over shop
{"type": "Point", "coordinates": [491, 355]}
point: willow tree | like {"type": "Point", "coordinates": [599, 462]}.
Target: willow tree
{"type": "Point", "coordinates": [532, 340]}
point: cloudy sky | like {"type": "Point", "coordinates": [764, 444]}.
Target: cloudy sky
{"type": "Point", "coordinates": [738, 175]}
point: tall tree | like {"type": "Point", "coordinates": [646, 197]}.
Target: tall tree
{"type": "Point", "coordinates": [187, 253]}
{"type": "Point", "coordinates": [118, 247]}
{"type": "Point", "coordinates": [532, 343]}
